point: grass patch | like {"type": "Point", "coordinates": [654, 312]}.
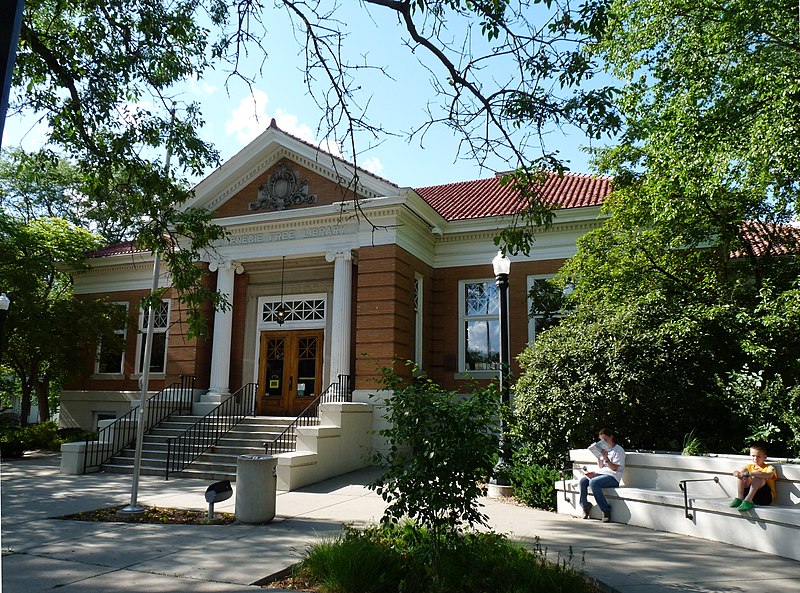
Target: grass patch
{"type": "Point", "coordinates": [409, 559]}
{"type": "Point", "coordinates": [152, 515]}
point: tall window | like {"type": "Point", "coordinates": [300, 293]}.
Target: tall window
{"type": "Point", "coordinates": [111, 357]}
{"type": "Point", "coordinates": [480, 326]}
{"type": "Point", "coordinates": [418, 320]}
{"type": "Point", "coordinates": [547, 304]}
{"type": "Point", "coordinates": [158, 357]}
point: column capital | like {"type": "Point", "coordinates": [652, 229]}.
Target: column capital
{"type": "Point", "coordinates": [346, 254]}
{"type": "Point", "coordinates": [225, 264]}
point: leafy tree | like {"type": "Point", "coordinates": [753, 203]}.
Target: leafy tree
{"type": "Point", "coordinates": [441, 448]}
{"type": "Point", "coordinates": [48, 333]}
{"type": "Point", "coordinates": [692, 282]}
{"type": "Point", "coordinates": [111, 101]}
{"type": "Point", "coordinates": [105, 97]}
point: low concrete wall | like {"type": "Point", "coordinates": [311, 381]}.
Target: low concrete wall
{"type": "Point", "coordinates": [650, 496]}
{"type": "Point", "coordinates": [73, 454]}
{"type": "Point", "coordinates": [79, 408]}
{"type": "Point", "coordinates": [341, 443]}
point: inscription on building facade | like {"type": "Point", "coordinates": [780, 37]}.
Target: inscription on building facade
{"type": "Point", "coordinates": [289, 235]}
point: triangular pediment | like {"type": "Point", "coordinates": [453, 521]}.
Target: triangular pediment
{"type": "Point", "coordinates": [278, 172]}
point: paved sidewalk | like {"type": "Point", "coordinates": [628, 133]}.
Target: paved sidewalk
{"type": "Point", "coordinates": [42, 554]}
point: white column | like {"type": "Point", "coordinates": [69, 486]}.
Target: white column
{"type": "Point", "coordinates": [341, 317]}
{"type": "Point", "coordinates": [219, 383]}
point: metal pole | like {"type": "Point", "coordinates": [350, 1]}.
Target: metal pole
{"type": "Point", "coordinates": [505, 349]}
{"type": "Point", "coordinates": [133, 508]}
{"type": "Point", "coordinates": [503, 462]}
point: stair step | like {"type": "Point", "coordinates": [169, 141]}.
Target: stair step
{"type": "Point", "coordinates": [218, 462]}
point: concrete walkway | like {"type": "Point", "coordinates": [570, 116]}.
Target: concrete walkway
{"type": "Point", "coordinates": [42, 554]}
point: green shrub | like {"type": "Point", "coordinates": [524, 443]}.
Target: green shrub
{"type": "Point", "coordinates": [771, 410]}
{"type": "Point", "coordinates": [43, 435]}
{"type": "Point", "coordinates": [409, 558]}
{"type": "Point", "coordinates": [534, 484]}
{"type": "Point", "coordinates": [441, 449]}
{"type": "Point", "coordinates": [18, 439]}
{"type": "Point", "coordinates": [641, 367]}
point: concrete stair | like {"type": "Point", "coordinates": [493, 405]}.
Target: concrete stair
{"type": "Point", "coordinates": [216, 463]}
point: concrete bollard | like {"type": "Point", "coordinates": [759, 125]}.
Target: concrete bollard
{"type": "Point", "coordinates": [256, 488]}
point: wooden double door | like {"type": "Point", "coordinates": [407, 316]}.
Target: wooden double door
{"type": "Point", "coordinates": [289, 371]}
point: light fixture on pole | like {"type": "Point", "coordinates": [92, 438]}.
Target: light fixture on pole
{"type": "Point", "coordinates": [280, 312]}
{"type": "Point", "coordinates": [5, 303]}
{"type": "Point", "coordinates": [502, 266]}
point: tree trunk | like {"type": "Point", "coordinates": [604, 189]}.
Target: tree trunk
{"type": "Point", "coordinates": [25, 403]}
{"type": "Point", "coordinates": [42, 398]}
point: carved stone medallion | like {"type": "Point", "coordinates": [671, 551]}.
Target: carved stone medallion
{"type": "Point", "coordinates": [284, 188]}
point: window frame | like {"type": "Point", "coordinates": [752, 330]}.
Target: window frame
{"type": "Point", "coordinates": [142, 334]}
{"type": "Point", "coordinates": [418, 303]}
{"type": "Point", "coordinates": [124, 333]}
{"type": "Point", "coordinates": [463, 318]}
{"type": "Point", "coordinates": [532, 318]}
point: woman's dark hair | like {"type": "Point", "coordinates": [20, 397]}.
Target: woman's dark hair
{"type": "Point", "coordinates": [609, 433]}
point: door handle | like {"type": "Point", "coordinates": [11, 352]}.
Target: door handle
{"type": "Point", "coordinates": [291, 383]}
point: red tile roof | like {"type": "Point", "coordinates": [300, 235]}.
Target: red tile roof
{"type": "Point", "coordinates": [488, 197]}
{"type": "Point", "coordinates": [123, 248]}
{"type": "Point", "coordinates": [770, 239]}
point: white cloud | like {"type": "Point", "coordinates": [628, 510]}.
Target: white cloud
{"type": "Point", "coordinates": [129, 112]}
{"type": "Point", "coordinates": [290, 124]}
{"type": "Point", "coordinates": [252, 117]}
{"type": "Point", "coordinates": [373, 165]}
{"type": "Point", "coordinates": [201, 88]}
{"type": "Point", "coordinates": [249, 119]}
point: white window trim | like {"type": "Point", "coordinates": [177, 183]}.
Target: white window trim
{"type": "Point", "coordinates": [462, 372]}
{"type": "Point", "coordinates": [124, 333]}
{"type": "Point", "coordinates": [532, 320]}
{"type": "Point", "coordinates": [289, 324]}
{"type": "Point", "coordinates": [141, 331]}
{"type": "Point", "coordinates": [419, 287]}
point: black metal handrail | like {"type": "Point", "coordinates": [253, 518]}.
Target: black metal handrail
{"type": "Point", "coordinates": [121, 433]}
{"type": "Point", "coordinates": [568, 470]}
{"type": "Point", "coordinates": [336, 392]}
{"type": "Point", "coordinates": [208, 430]}
{"type": "Point", "coordinates": [682, 485]}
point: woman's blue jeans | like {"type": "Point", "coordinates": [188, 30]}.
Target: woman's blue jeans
{"type": "Point", "coordinates": [597, 484]}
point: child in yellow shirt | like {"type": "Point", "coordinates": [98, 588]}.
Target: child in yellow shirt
{"type": "Point", "coordinates": [757, 480]}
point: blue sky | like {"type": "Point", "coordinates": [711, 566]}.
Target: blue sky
{"type": "Point", "coordinates": [237, 114]}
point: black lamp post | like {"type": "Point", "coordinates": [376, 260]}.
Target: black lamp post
{"type": "Point", "coordinates": [502, 267]}
{"type": "Point", "coordinates": [5, 303]}
{"type": "Point", "coordinates": [280, 312]}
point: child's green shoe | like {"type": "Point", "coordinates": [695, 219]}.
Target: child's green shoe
{"type": "Point", "coordinates": [735, 503]}
{"type": "Point", "coordinates": [745, 506]}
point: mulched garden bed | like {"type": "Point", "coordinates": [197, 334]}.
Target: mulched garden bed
{"type": "Point", "coordinates": [154, 515]}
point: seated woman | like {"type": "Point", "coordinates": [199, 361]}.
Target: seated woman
{"type": "Point", "coordinates": [610, 465]}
